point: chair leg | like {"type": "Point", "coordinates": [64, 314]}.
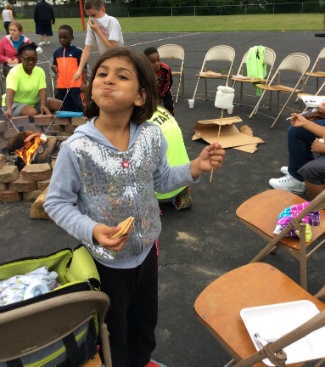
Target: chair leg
{"type": "Point", "coordinates": [282, 109]}
{"type": "Point", "coordinates": [206, 88]}
{"type": "Point", "coordinates": [255, 109]}
{"type": "Point", "coordinates": [197, 84]}
{"type": "Point", "coordinates": [178, 87]}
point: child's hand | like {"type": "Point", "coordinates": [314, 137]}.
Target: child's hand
{"type": "Point", "coordinates": [318, 147]}
{"type": "Point", "coordinates": [93, 25]}
{"type": "Point", "coordinates": [103, 235]}
{"type": "Point", "coordinates": [54, 68]}
{"type": "Point", "coordinates": [210, 157]}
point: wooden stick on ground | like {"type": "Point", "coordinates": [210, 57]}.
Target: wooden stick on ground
{"type": "Point", "coordinates": [211, 174]}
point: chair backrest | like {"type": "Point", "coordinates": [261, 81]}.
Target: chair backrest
{"type": "Point", "coordinates": [296, 62]}
{"type": "Point", "coordinates": [28, 329]}
{"type": "Point", "coordinates": [220, 53]}
{"type": "Point", "coordinates": [320, 56]}
{"type": "Point", "coordinates": [171, 51]}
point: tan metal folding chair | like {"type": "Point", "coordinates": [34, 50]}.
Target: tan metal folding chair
{"type": "Point", "coordinates": [174, 52]}
{"type": "Point", "coordinates": [296, 63]}
{"type": "Point", "coordinates": [30, 328]}
{"type": "Point", "coordinates": [316, 71]}
{"type": "Point", "coordinates": [242, 78]}
{"type": "Point", "coordinates": [222, 56]}
{"type": "Point", "coordinates": [220, 304]}
{"type": "Point", "coordinates": [260, 214]}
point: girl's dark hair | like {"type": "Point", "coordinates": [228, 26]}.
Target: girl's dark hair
{"type": "Point", "coordinates": [26, 46]}
{"type": "Point", "coordinates": [146, 78]}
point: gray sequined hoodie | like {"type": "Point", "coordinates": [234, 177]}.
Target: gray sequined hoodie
{"type": "Point", "coordinates": [94, 182]}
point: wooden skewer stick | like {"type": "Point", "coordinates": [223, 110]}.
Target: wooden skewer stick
{"type": "Point", "coordinates": [211, 174]}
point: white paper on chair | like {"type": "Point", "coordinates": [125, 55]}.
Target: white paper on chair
{"type": "Point", "coordinates": [274, 321]}
{"type": "Point", "coordinates": [312, 101]}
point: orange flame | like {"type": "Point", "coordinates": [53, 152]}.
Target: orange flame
{"type": "Point", "coordinates": [28, 150]}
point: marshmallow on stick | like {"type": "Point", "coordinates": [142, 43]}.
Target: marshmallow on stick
{"type": "Point", "coordinates": [224, 100]}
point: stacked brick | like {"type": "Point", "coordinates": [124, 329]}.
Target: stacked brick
{"type": "Point", "coordinates": [27, 184]}
{"type": "Point", "coordinates": [60, 127]}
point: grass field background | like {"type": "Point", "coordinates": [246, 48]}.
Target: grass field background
{"type": "Point", "coordinates": [229, 23]}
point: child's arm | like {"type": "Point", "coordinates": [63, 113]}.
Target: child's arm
{"type": "Point", "coordinates": [93, 24]}
{"type": "Point", "coordinates": [298, 120]}
{"type": "Point", "coordinates": [168, 83]}
{"type": "Point", "coordinates": [86, 53]}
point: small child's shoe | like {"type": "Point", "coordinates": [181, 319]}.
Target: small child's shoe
{"type": "Point", "coordinates": [153, 363]}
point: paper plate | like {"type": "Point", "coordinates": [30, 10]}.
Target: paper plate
{"type": "Point", "coordinates": [312, 101]}
{"type": "Point", "coordinates": [273, 321]}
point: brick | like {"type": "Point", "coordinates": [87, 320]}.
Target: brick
{"type": "Point", "coordinates": [3, 126]}
{"type": "Point", "coordinates": [2, 161]}
{"type": "Point", "coordinates": [43, 120]}
{"type": "Point", "coordinates": [31, 127]}
{"type": "Point", "coordinates": [42, 185]}
{"type": "Point", "coordinates": [3, 186]}
{"type": "Point", "coordinates": [22, 185]}
{"type": "Point", "coordinates": [37, 211]}
{"type": "Point", "coordinates": [8, 173]}
{"type": "Point", "coordinates": [20, 121]}
{"type": "Point", "coordinates": [70, 129]}
{"type": "Point", "coordinates": [57, 127]}
{"type": "Point", "coordinates": [32, 195]}
{"type": "Point", "coordinates": [9, 133]}
{"type": "Point", "coordinates": [77, 121]}
{"type": "Point", "coordinates": [36, 172]}
{"type": "Point", "coordinates": [62, 120]}
{"type": "Point", "coordinates": [10, 196]}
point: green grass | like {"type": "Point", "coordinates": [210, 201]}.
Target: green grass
{"type": "Point", "coordinates": [230, 23]}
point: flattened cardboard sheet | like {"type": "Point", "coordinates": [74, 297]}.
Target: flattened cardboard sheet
{"type": "Point", "coordinates": [230, 135]}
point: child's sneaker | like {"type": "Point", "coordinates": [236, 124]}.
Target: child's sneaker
{"type": "Point", "coordinates": [48, 43]}
{"type": "Point", "coordinates": [153, 363]}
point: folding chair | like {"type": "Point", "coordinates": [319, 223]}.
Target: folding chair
{"type": "Point", "coordinates": [295, 63]}
{"type": "Point", "coordinates": [174, 52]}
{"type": "Point", "coordinates": [28, 329]}
{"type": "Point", "coordinates": [221, 55]}
{"type": "Point", "coordinates": [220, 308]}
{"type": "Point", "coordinates": [260, 213]}
{"type": "Point", "coordinates": [315, 71]}
{"type": "Point", "coordinates": [242, 78]}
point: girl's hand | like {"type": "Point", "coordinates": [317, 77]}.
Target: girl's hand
{"type": "Point", "coordinates": [103, 235]}
{"type": "Point", "coordinates": [210, 157]}
{"type": "Point", "coordinates": [44, 110]}
{"type": "Point", "coordinates": [298, 120]}
{"type": "Point", "coordinates": [8, 114]}
{"type": "Point", "coordinates": [318, 147]}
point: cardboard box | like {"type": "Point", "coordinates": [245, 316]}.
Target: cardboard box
{"type": "Point", "coordinates": [230, 136]}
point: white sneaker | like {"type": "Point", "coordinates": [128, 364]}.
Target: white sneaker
{"type": "Point", "coordinates": [48, 43]}
{"type": "Point", "coordinates": [284, 170]}
{"type": "Point", "coordinates": [288, 183]}
{"type": "Point", "coordinates": [41, 44]}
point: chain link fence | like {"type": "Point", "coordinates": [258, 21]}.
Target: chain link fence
{"type": "Point", "coordinates": [120, 10]}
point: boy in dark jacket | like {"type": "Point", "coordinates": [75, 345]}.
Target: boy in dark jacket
{"type": "Point", "coordinates": [66, 60]}
{"type": "Point", "coordinates": [163, 76]}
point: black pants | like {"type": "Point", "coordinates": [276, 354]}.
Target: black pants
{"type": "Point", "coordinates": [6, 25]}
{"type": "Point", "coordinates": [72, 101]}
{"type": "Point", "coordinates": [169, 102]}
{"type": "Point", "coordinates": [132, 316]}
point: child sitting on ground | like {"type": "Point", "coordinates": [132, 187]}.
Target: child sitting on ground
{"type": "Point", "coordinates": [66, 60]}
{"type": "Point", "coordinates": [163, 76]}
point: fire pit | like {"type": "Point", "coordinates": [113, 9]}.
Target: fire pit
{"type": "Point", "coordinates": [32, 147]}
